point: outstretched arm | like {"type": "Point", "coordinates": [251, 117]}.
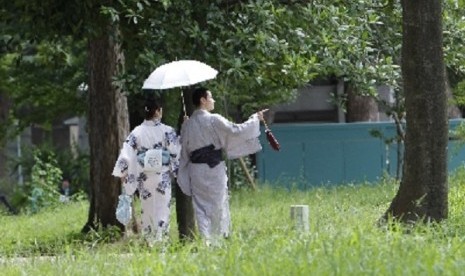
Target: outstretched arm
{"type": "Point", "coordinates": [247, 128]}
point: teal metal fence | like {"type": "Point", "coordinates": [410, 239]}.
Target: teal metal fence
{"type": "Point", "coordinates": [316, 154]}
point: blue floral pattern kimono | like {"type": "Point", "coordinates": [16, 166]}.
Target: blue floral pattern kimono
{"type": "Point", "coordinates": [154, 186]}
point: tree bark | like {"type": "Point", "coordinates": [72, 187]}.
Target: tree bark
{"type": "Point", "coordinates": [360, 108]}
{"type": "Point", "coordinates": [108, 126]}
{"type": "Point", "coordinates": [4, 109]}
{"type": "Point", "coordinates": [422, 193]}
{"type": "Point", "coordinates": [184, 208]}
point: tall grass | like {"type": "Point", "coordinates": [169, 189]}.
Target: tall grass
{"type": "Point", "coordinates": [344, 239]}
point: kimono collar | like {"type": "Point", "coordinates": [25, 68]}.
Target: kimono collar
{"type": "Point", "coordinates": [153, 122]}
{"type": "Point", "coordinates": [200, 111]}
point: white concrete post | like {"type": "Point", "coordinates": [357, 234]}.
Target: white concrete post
{"type": "Point", "coordinates": [299, 217]}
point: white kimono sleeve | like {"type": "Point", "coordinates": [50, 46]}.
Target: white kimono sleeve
{"type": "Point", "coordinates": [241, 139]}
{"type": "Point", "coordinates": [126, 167]}
{"type": "Point", "coordinates": [174, 148]}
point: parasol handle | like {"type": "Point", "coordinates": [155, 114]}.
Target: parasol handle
{"type": "Point", "coordinates": [265, 124]}
{"type": "Point", "coordinates": [183, 104]}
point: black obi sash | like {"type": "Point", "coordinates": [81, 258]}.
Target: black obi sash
{"type": "Point", "coordinates": [206, 155]}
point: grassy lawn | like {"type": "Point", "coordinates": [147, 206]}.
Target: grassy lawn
{"type": "Point", "coordinates": [344, 239]}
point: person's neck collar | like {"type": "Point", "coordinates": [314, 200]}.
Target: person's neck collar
{"type": "Point", "coordinates": [153, 121]}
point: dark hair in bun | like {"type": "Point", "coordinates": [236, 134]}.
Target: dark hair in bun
{"type": "Point", "coordinates": [151, 105]}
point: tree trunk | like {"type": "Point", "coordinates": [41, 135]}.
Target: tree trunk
{"type": "Point", "coordinates": [4, 109]}
{"type": "Point", "coordinates": [453, 111]}
{"type": "Point", "coordinates": [422, 193]}
{"type": "Point", "coordinates": [108, 126]}
{"type": "Point", "coordinates": [360, 108]}
{"type": "Point", "coordinates": [184, 209]}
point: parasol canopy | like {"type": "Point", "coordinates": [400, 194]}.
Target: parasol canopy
{"type": "Point", "coordinates": [178, 74]}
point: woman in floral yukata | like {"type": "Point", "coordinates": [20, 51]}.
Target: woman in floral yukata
{"type": "Point", "coordinates": [148, 160]}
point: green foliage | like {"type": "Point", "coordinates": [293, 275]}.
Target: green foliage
{"type": "Point", "coordinates": [42, 81]}
{"type": "Point", "coordinates": [75, 167]}
{"type": "Point", "coordinates": [44, 168]}
{"type": "Point", "coordinates": [454, 29]}
{"type": "Point", "coordinates": [378, 134]}
{"type": "Point", "coordinates": [264, 50]}
{"type": "Point", "coordinates": [237, 177]}
{"type": "Point", "coordinates": [454, 57]}
{"type": "Point", "coordinates": [44, 178]}
{"type": "Point", "coordinates": [459, 93]}
{"type": "Point", "coordinates": [360, 42]}
{"type": "Point", "coordinates": [224, 38]}
{"type": "Point", "coordinates": [458, 134]}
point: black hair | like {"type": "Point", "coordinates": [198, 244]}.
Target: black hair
{"type": "Point", "coordinates": [199, 92]}
{"type": "Point", "coordinates": [151, 105]}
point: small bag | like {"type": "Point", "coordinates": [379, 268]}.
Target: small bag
{"type": "Point", "coordinates": [153, 160]}
{"type": "Point", "coordinates": [270, 137]}
{"type": "Point", "coordinates": [124, 208]}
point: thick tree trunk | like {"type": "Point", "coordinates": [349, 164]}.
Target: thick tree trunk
{"type": "Point", "coordinates": [360, 108]}
{"type": "Point", "coordinates": [108, 126]}
{"type": "Point", "coordinates": [184, 209]}
{"type": "Point", "coordinates": [184, 214]}
{"type": "Point", "coordinates": [423, 190]}
{"type": "Point", "coordinates": [4, 109]}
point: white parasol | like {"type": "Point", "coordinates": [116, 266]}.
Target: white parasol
{"type": "Point", "coordinates": [179, 73]}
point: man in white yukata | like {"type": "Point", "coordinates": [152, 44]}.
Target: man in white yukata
{"type": "Point", "coordinates": [148, 160]}
{"type": "Point", "coordinates": [202, 172]}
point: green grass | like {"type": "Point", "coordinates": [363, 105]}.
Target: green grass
{"type": "Point", "coordinates": [344, 239]}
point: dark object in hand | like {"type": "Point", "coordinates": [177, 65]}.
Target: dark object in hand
{"type": "Point", "coordinates": [270, 137]}
{"type": "Point", "coordinates": [272, 140]}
